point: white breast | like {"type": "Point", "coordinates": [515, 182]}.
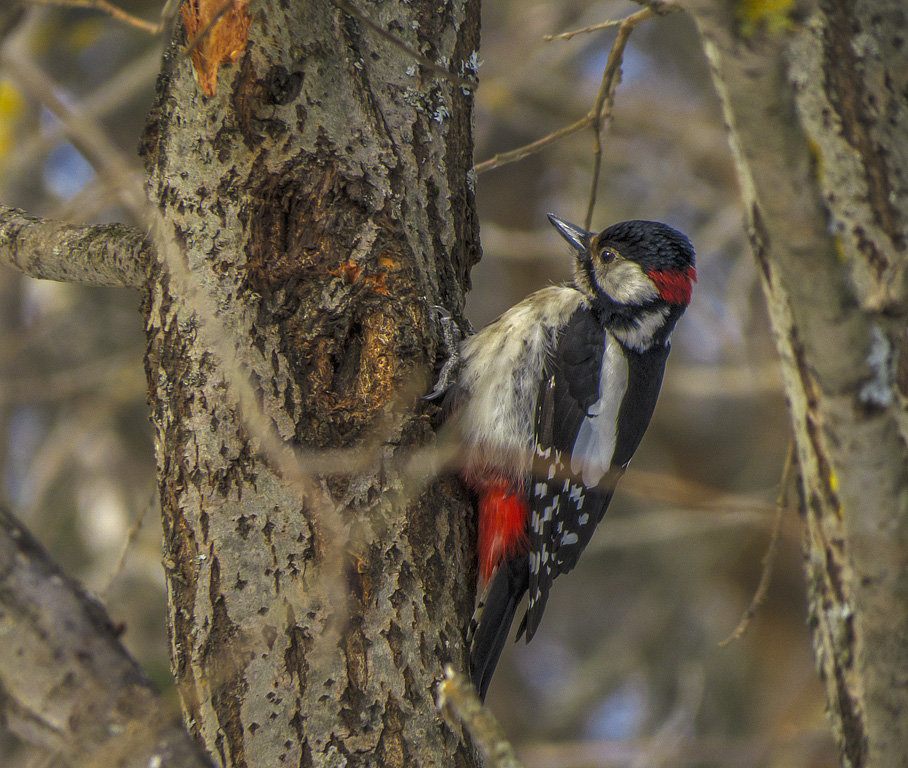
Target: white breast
{"type": "Point", "coordinates": [501, 373]}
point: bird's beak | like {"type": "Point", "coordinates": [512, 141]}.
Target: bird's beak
{"type": "Point", "coordinates": [578, 237]}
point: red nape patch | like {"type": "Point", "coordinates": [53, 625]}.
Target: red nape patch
{"type": "Point", "coordinates": [674, 286]}
{"type": "Point", "coordinates": [502, 524]}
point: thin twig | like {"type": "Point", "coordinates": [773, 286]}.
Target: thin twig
{"type": "Point", "coordinates": [591, 28]}
{"type": "Point", "coordinates": [105, 7]}
{"type": "Point", "coordinates": [426, 62]}
{"type": "Point", "coordinates": [597, 168]}
{"type": "Point", "coordinates": [458, 703]}
{"type": "Point", "coordinates": [108, 161]}
{"type": "Point", "coordinates": [596, 113]}
{"type": "Point", "coordinates": [666, 742]}
{"type": "Point", "coordinates": [110, 95]}
{"type": "Point", "coordinates": [770, 556]}
{"type": "Point", "coordinates": [131, 536]}
{"type": "Point", "coordinates": [514, 155]}
{"type": "Point", "coordinates": [605, 98]}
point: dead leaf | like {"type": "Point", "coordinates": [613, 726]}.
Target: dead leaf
{"type": "Point", "coordinates": [223, 43]}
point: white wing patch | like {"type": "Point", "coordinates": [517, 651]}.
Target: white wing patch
{"type": "Point", "coordinates": [594, 447]}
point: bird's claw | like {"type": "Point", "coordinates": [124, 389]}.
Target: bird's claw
{"type": "Point", "coordinates": [452, 334]}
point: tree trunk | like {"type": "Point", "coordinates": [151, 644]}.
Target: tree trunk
{"type": "Point", "coordinates": [814, 96]}
{"type": "Point", "coordinates": [321, 201]}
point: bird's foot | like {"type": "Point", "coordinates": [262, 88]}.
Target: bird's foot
{"type": "Point", "coordinates": [452, 334]}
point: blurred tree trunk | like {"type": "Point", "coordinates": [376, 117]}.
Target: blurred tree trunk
{"type": "Point", "coordinates": [815, 96]}
{"type": "Point", "coordinates": [321, 201]}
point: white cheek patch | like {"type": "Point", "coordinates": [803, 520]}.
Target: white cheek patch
{"type": "Point", "coordinates": [624, 282]}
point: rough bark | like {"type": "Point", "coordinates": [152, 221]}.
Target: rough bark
{"type": "Point", "coordinates": [321, 201]}
{"type": "Point", "coordinates": [814, 96]}
{"type": "Point", "coordinates": [66, 682]}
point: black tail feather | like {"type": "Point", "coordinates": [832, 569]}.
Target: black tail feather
{"type": "Point", "coordinates": [493, 620]}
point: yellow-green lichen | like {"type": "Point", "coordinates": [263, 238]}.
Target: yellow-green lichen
{"type": "Point", "coordinates": [12, 109]}
{"type": "Point", "coordinates": [816, 158]}
{"type": "Point", "coordinates": [833, 481]}
{"type": "Point", "coordinates": [770, 16]}
{"type": "Point", "coordinates": [834, 490]}
{"type": "Point", "coordinates": [840, 251]}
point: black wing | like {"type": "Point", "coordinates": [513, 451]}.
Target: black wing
{"type": "Point", "coordinates": [579, 457]}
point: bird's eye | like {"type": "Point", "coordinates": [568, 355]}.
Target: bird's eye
{"type": "Point", "coordinates": [601, 251]}
{"type": "Point", "coordinates": [608, 255]}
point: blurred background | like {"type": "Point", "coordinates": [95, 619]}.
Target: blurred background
{"type": "Point", "coordinates": [627, 668]}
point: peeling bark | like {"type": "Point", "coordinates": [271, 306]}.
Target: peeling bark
{"type": "Point", "coordinates": [321, 198]}
{"type": "Point", "coordinates": [815, 107]}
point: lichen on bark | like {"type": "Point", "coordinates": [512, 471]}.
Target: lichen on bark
{"type": "Point", "coordinates": [816, 119]}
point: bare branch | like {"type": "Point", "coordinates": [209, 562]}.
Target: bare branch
{"type": "Point", "coordinates": [69, 684]}
{"type": "Point", "coordinates": [603, 99]}
{"type": "Point", "coordinates": [105, 7]}
{"type": "Point", "coordinates": [105, 255]}
{"type": "Point", "coordinates": [131, 535]}
{"type": "Point", "coordinates": [592, 28]}
{"type": "Point", "coordinates": [458, 703]}
{"type": "Point", "coordinates": [514, 155]}
{"type": "Point", "coordinates": [665, 745]}
{"type": "Point", "coordinates": [121, 86]}
{"type": "Point", "coordinates": [109, 162]}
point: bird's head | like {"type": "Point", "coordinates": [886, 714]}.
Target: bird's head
{"type": "Point", "coordinates": [633, 263]}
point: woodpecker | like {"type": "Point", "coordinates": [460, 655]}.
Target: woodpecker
{"type": "Point", "coordinates": [550, 402]}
